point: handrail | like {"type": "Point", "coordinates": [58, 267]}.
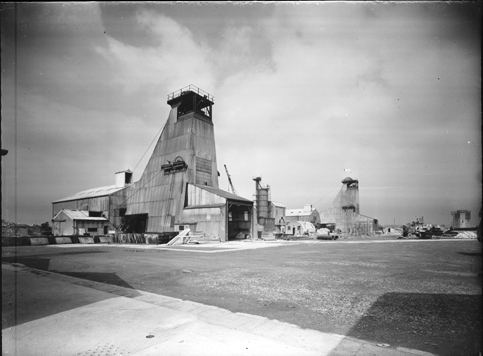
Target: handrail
{"type": "Point", "coordinates": [192, 88]}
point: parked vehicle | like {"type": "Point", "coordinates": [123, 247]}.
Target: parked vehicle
{"type": "Point", "coordinates": [325, 234]}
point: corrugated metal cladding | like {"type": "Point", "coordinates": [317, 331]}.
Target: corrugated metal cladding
{"type": "Point", "coordinates": [109, 205]}
{"type": "Point", "coordinates": [157, 201]}
{"type": "Point", "coordinates": [69, 222]}
{"type": "Point", "coordinates": [197, 196]}
{"type": "Point", "coordinates": [92, 204]}
{"type": "Point", "coordinates": [210, 222]}
{"type": "Point", "coordinates": [348, 220]}
{"type": "Point", "coordinates": [207, 210]}
{"type": "Point", "coordinates": [161, 195]}
{"type": "Point", "coordinates": [203, 171]}
{"type": "Point", "coordinates": [92, 193]}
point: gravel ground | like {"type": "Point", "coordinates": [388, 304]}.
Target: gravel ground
{"type": "Point", "coordinates": [423, 295]}
{"type": "Point", "coordinates": [390, 297]}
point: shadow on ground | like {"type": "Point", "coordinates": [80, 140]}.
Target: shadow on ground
{"type": "Point", "coordinates": [42, 262]}
{"type": "Point", "coordinates": [444, 324]}
{"type": "Point", "coordinates": [33, 294]}
{"type": "Point", "coordinates": [32, 262]}
{"type": "Point", "coordinates": [470, 253]}
{"type": "Point", "coordinates": [108, 278]}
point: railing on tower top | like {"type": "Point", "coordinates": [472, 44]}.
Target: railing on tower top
{"type": "Point", "coordinates": [192, 88]}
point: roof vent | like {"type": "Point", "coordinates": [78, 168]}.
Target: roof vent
{"type": "Point", "coordinates": [123, 178]}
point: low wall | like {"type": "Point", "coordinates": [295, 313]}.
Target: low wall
{"type": "Point", "coordinates": [63, 240]}
{"type": "Point", "coordinates": [16, 241]}
{"type": "Point", "coordinates": [145, 238]}
{"type": "Point", "coordinates": [36, 241]}
{"type": "Point", "coordinates": [127, 238]}
{"type": "Point", "coordinates": [105, 239]}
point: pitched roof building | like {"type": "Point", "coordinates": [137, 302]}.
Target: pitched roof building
{"type": "Point", "coordinates": [307, 213]}
{"type": "Point", "coordinates": [179, 186]}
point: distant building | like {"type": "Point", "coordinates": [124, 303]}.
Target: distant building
{"type": "Point", "coordinates": [461, 219]}
{"type": "Point", "coordinates": [300, 228]}
{"type": "Point", "coordinates": [270, 215]}
{"type": "Point", "coordinates": [344, 211]}
{"type": "Point", "coordinates": [307, 213]}
{"type": "Point", "coordinates": [278, 213]}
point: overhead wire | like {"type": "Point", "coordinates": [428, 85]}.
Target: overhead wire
{"type": "Point", "coordinates": [137, 190]}
{"type": "Point", "coordinates": [331, 199]}
{"type": "Point", "coordinates": [330, 190]}
{"type": "Point", "coordinates": [329, 203]}
{"type": "Point", "coordinates": [162, 128]}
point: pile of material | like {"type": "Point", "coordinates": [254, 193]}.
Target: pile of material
{"type": "Point", "coordinates": [466, 235]}
{"type": "Point", "coordinates": [180, 239]}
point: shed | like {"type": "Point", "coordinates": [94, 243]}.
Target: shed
{"type": "Point", "coordinates": [78, 222]}
{"type": "Point", "coordinates": [215, 213]}
{"type": "Point", "coordinates": [300, 228]}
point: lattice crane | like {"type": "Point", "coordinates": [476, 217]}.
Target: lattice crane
{"type": "Point", "coordinates": [229, 180]}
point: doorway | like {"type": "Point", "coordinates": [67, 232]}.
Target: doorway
{"type": "Point", "coordinates": [239, 220]}
{"type": "Point", "coordinates": [134, 223]}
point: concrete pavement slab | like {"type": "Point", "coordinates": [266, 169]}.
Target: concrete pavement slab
{"type": "Point", "coordinates": [346, 347]}
{"type": "Point", "coordinates": [202, 339]}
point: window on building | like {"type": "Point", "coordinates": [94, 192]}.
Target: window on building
{"type": "Point", "coordinates": [203, 172]}
{"type": "Point", "coordinates": [92, 229]}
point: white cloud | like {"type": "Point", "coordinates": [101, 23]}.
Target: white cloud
{"type": "Point", "coordinates": [340, 94]}
{"type": "Point", "coordinates": [176, 61]}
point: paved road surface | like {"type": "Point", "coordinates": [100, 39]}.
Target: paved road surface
{"type": "Point", "coordinates": [422, 295]}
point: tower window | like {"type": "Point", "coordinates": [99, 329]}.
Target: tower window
{"type": "Point", "coordinates": [203, 172]}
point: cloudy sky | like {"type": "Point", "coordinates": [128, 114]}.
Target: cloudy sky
{"type": "Point", "coordinates": [302, 92]}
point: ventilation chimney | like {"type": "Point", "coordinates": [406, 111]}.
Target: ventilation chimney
{"type": "Point", "coordinates": [123, 178]}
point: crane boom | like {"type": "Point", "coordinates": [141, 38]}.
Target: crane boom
{"type": "Point", "coordinates": [229, 180]}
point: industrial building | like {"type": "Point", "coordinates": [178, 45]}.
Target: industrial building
{"type": "Point", "coordinates": [278, 211]}
{"type": "Point", "coordinates": [344, 211]}
{"type": "Point", "coordinates": [307, 213]}
{"type": "Point", "coordinates": [178, 188]}
{"type": "Point", "coordinates": [104, 202]}
{"type": "Point", "coordinates": [461, 219]}
{"type": "Point", "coordinates": [300, 228]}
{"type": "Point", "coordinates": [270, 215]}
{"type": "Point", "coordinates": [77, 222]}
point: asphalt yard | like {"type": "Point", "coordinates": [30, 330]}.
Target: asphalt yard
{"type": "Point", "coordinates": [418, 294]}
